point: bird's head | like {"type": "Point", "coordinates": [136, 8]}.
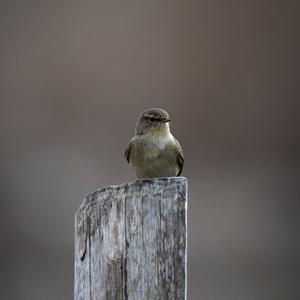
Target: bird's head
{"type": "Point", "coordinates": [153, 119]}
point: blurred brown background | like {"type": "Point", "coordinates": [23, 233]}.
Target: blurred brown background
{"type": "Point", "coordinates": [74, 75]}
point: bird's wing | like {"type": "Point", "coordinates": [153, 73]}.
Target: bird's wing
{"type": "Point", "coordinates": [129, 147]}
{"type": "Point", "coordinates": [180, 158]}
{"type": "Point", "coordinates": [127, 152]}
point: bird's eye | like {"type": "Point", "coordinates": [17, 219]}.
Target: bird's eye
{"type": "Point", "coordinates": [151, 119]}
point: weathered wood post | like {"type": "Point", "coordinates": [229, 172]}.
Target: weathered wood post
{"type": "Point", "coordinates": [130, 241]}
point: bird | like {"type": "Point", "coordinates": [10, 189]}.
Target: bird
{"type": "Point", "coordinates": [153, 151]}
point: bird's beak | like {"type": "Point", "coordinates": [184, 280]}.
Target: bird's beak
{"type": "Point", "coordinates": [166, 120]}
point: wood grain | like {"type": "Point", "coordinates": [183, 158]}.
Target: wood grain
{"type": "Point", "coordinates": [130, 241]}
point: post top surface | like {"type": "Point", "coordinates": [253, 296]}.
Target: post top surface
{"type": "Point", "coordinates": [149, 181]}
{"type": "Point", "coordinates": [179, 183]}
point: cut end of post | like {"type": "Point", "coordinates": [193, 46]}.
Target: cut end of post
{"type": "Point", "coordinates": [159, 181]}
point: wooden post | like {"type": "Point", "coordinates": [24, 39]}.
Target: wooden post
{"type": "Point", "coordinates": [130, 242]}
